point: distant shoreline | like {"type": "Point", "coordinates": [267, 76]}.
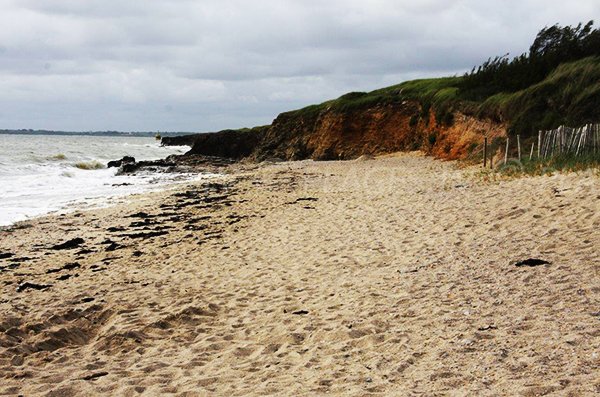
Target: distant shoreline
{"type": "Point", "coordinates": [93, 133]}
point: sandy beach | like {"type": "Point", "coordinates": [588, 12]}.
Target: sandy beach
{"type": "Point", "coordinates": [387, 276]}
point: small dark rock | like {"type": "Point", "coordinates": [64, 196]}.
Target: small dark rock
{"type": "Point", "coordinates": [145, 235]}
{"type": "Point", "coordinates": [68, 266]}
{"type": "Point", "coordinates": [71, 266]}
{"type": "Point", "coordinates": [74, 243]}
{"type": "Point", "coordinates": [142, 215]}
{"type": "Point", "coordinates": [487, 328]}
{"type": "Point", "coordinates": [300, 312]}
{"type": "Point", "coordinates": [26, 285]}
{"type": "Point", "coordinates": [113, 247]}
{"type": "Point", "coordinates": [531, 262]}
{"type": "Point", "coordinates": [5, 255]}
{"type": "Point", "coordinates": [95, 375]}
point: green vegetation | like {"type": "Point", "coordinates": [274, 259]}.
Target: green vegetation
{"type": "Point", "coordinates": [556, 83]}
{"type": "Point", "coordinates": [553, 46]}
{"type": "Point", "coordinates": [541, 166]}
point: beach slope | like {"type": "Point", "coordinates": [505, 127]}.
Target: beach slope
{"type": "Point", "coordinates": [401, 275]}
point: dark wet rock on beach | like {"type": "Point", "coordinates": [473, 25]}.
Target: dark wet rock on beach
{"type": "Point", "coordinates": [73, 243]}
{"type": "Point", "coordinates": [531, 262]}
{"type": "Point", "coordinates": [119, 163]}
{"type": "Point", "coordinates": [176, 164]}
{"type": "Point", "coordinates": [26, 285]}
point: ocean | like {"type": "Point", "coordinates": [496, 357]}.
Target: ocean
{"type": "Point", "coordinates": [40, 174]}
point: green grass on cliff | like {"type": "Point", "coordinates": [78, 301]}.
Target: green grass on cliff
{"type": "Point", "coordinates": [436, 92]}
{"type": "Point", "coordinates": [556, 82]}
{"type": "Point", "coordinates": [570, 95]}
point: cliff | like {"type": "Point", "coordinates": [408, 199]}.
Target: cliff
{"type": "Point", "coordinates": [331, 134]}
{"type": "Point", "coordinates": [437, 116]}
{"type": "Point", "coordinates": [378, 129]}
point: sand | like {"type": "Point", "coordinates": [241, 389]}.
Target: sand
{"type": "Point", "coordinates": [391, 276]}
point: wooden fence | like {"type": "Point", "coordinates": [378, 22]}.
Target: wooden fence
{"type": "Point", "coordinates": [581, 141]}
{"type": "Point", "coordinates": [569, 141]}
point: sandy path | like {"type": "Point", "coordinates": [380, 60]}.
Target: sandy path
{"type": "Point", "coordinates": [384, 277]}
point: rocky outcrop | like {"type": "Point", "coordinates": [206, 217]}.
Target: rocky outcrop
{"type": "Point", "coordinates": [118, 163]}
{"type": "Point", "coordinates": [177, 164]}
{"type": "Point", "coordinates": [181, 140]}
{"type": "Point", "coordinates": [233, 144]}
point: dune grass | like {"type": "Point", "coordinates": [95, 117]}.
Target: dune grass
{"type": "Point", "coordinates": [546, 166]}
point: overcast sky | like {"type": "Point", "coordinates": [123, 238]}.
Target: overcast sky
{"type": "Point", "coordinates": [203, 65]}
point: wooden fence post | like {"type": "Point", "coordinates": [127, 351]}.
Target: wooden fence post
{"type": "Point", "coordinates": [506, 151]}
{"type": "Point", "coordinates": [531, 153]}
{"type": "Point", "coordinates": [519, 146]}
{"type": "Point", "coordinates": [485, 152]}
{"type": "Point", "coordinates": [539, 142]}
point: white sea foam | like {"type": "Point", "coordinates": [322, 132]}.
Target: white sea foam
{"type": "Point", "coordinates": [39, 174]}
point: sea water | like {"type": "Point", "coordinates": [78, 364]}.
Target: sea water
{"type": "Point", "coordinates": [40, 174]}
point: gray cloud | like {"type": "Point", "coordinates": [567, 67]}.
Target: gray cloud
{"type": "Point", "coordinates": [212, 64]}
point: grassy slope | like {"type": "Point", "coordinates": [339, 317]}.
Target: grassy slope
{"type": "Point", "coordinates": [569, 95]}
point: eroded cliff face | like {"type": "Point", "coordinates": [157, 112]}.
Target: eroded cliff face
{"type": "Point", "coordinates": [330, 134]}
{"type": "Point", "coordinates": [382, 129]}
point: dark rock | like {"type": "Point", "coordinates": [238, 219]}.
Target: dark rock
{"type": "Point", "coordinates": [181, 140]}
{"type": "Point", "coordinates": [95, 376]}
{"type": "Point", "coordinates": [233, 144]}
{"type": "Point", "coordinates": [74, 243]}
{"type": "Point", "coordinates": [113, 247]}
{"type": "Point", "coordinates": [145, 235]}
{"type": "Point", "coordinates": [532, 262]}
{"type": "Point", "coordinates": [142, 215]}
{"type": "Point", "coordinates": [143, 223]}
{"type": "Point", "coordinates": [5, 255]}
{"type": "Point", "coordinates": [300, 312]}
{"type": "Point", "coordinates": [487, 328]}
{"type": "Point", "coordinates": [64, 277]}
{"type": "Point", "coordinates": [21, 259]}
{"type": "Point", "coordinates": [118, 163]}
{"type": "Point", "coordinates": [26, 285]}
{"type": "Point", "coordinates": [71, 266]}
{"type": "Point", "coordinates": [12, 266]}
{"type": "Point", "coordinates": [128, 168]}
{"type": "Point", "coordinates": [68, 266]}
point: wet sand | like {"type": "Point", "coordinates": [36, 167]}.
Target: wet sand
{"type": "Point", "coordinates": [393, 276]}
